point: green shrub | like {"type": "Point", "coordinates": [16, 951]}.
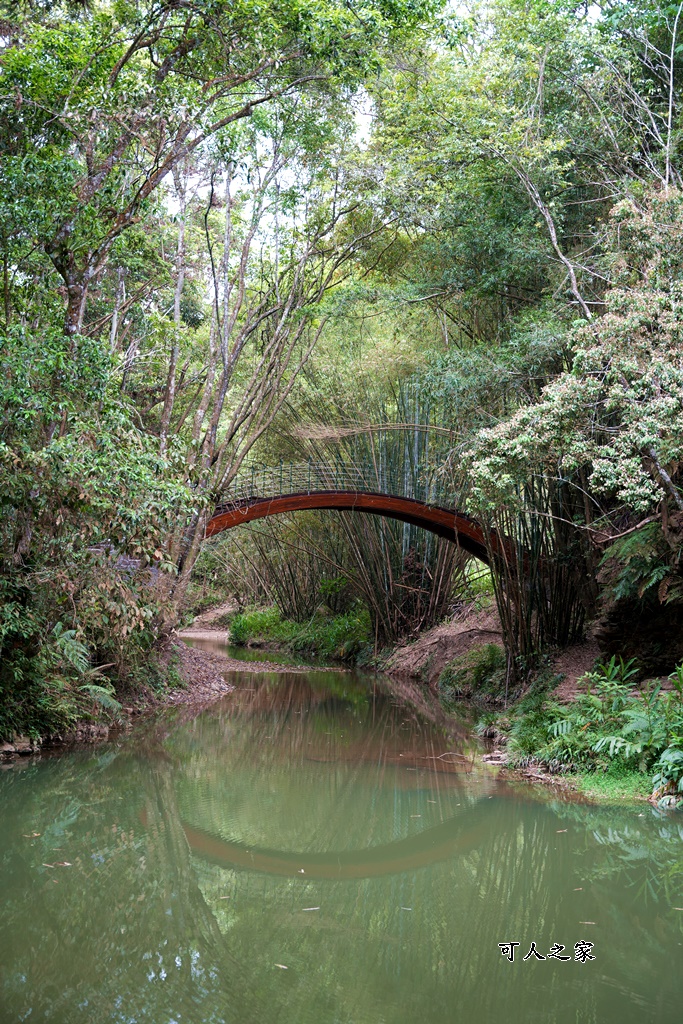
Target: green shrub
{"type": "Point", "coordinates": [50, 691]}
{"type": "Point", "coordinates": [341, 636]}
{"type": "Point", "coordinates": [609, 728]}
{"type": "Point", "coordinates": [479, 672]}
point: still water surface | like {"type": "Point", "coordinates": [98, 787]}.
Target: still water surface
{"type": "Point", "coordinates": [306, 852]}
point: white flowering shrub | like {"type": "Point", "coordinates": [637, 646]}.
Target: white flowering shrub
{"type": "Point", "coordinates": [616, 416]}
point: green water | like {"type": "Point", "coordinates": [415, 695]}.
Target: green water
{"type": "Point", "coordinates": [306, 853]}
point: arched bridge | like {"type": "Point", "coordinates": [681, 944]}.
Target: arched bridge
{"type": "Point", "coordinates": [290, 488]}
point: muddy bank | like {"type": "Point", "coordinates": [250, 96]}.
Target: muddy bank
{"type": "Point", "coordinates": [203, 683]}
{"type": "Point", "coordinates": [203, 675]}
{"type": "Point", "coordinates": [423, 660]}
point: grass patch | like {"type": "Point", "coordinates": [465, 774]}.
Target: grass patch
{"type": "Point", "coordinates": [614, 786]}
{"type": "Point", "coordinates": [346, 637]}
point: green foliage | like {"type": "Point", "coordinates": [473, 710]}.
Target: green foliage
{"type": "Point", "coordinates": [70, 649]}
{"type": "Point", "coordinates": [80, 486]}
{"type": "Point", "coordinates": [481, 672]}
{"type": "Point", "coordinates": [516, 177]}
{"type": "Point", "coordinates": [645, 560]}
{"type": "Point", "coordinates": [49, 687]}
{"type": "Point", "coordinates": [617, 414]}
{"type": "Point", "coordinates": [341, 636]}
{"type": "Point", "coordinates": [74, 167]}
{"type": "Point", "coordinates": [609, 728]}
{"type": "Point", "coordinates": [638, 561]}
{"type": "Point", "coordinates": [480, 585]}
{"type": "Point", "coordinates": [259, 623]}
{"type": "Point", "coordinates": [102, 695]}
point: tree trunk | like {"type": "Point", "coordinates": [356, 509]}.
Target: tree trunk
{"type": "Point", "coordinates": [169, 395]}
{"type": "Point", "coordinates": [118, 303]}
{"type": "Point", "coordinates": [77, 294]}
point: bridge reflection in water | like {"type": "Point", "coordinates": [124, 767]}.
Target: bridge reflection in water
{"type": "Point", "coordinates": [139, 926]}
{"type": "Point", "coordinates": [377, 765]}
{"type": "Point", "coordinates": [456, 836]}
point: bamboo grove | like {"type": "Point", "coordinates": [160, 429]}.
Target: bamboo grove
{"type": "Point", "coordinates": [443, 239]}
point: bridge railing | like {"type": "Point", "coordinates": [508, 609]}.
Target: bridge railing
{"type": "Point", "coordinates": [261, 481]}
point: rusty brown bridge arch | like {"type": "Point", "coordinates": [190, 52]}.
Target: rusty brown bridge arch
{"type": "Point", "coordinates": [279, 489]}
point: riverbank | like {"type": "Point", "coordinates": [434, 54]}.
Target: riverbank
{"type": "Point", "coordinates": [411, 676]}
{"type": "Point", "coordinates": [590, 726]}
{"type": "Point", "coordinates": [452, 676]}
{"type": "Point", "coordinates": [197, 680]}
{"type": "Point", "coordinates": [548, 731]}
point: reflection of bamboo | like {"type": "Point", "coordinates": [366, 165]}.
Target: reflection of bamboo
{"type": "Point", "coordinates": [457, 836]}
{"type": "Point", "coordinates": [277, 711]}
{"type": "Point", "coordinates": [163, 817]}
{"type": "Point", "coordinates": [190, 914]}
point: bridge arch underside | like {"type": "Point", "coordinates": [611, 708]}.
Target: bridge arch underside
{"type": "Point", "coordinates": [456, 527]}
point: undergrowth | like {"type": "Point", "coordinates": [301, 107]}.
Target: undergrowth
{"type": "Point", "coordinates": [609, 729]}
{"type": "Point", "coordinates": [51, 691]}
{"type": "Point", "coordinates": [480, 674]}
{"type": "Point", "coordinates": [347, 636]}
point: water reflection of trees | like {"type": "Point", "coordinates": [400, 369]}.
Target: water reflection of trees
{"type": "Point", "coordinates": [141, 928]}
{"type": "Point", "coordinates": [123, 933]}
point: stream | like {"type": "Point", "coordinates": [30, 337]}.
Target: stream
{"type": "Point", "coordinates": [307, 851]}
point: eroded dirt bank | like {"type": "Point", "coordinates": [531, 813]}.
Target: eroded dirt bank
{"type": "Point", "coordinates": [423, 660]}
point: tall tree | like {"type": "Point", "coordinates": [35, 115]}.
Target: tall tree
{"type": "Point", "coordinates": [101, 103]}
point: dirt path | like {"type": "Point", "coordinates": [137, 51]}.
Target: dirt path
{"type": "Point", "coordinates": [205, 627]}
{"type": "Point", "coordinates": [220, 634]}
